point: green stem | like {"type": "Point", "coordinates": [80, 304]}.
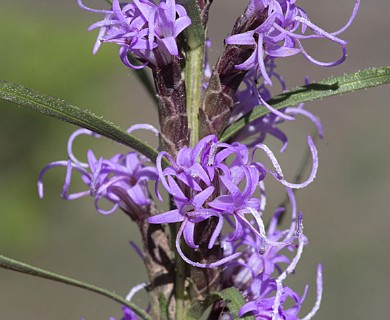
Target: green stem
{"type": "Point", "coordinates": [195, 42]}
{"type": "Point", "coordinates": [10, 264]}
{"type": "Point", "coordinates": [193, 77]}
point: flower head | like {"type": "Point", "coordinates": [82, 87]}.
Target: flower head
{"type": "Point", "coordinates": [279, 35]}
{"type": "Point", "coordinates": [220, 180]}
{"type": "Point", "coordinates": [142, 28]}
{"type": "Point", "coordinates": [122, 179]}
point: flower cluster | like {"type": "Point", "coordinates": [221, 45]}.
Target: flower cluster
{"type": "Point", "coordinates": [142, 28]}
{"type": "Point", "coordinates": [122, 179]}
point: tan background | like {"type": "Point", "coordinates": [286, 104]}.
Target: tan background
{"type": "Point", "coordinates": [44, 45]}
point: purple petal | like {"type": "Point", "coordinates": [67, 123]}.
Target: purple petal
{"type": "Point", "coordinates": [167, 217]}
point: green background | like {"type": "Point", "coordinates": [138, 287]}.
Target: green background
{"type": "Point", "coordinates": [44, 45]}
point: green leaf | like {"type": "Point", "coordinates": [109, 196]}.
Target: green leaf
{"type": "Point", "coordinates": [234, 301]}
{"type": "Point", "coordinates": [333, 86]}
{"type": "Point", "coordinates": [10, 264]}
{"type": "Point", "coordinates": [199, 307]}
{"type": "Point", "coordinates": [64, 111]}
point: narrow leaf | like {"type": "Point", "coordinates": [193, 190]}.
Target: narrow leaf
{"type": "Point", "coordinates": [332, 86]}
{"type": "Point", "coordinates": [66, 112]}
{"type": "Point", "coordinates": [234, 301]}
{"type": "Point", "coordinates": [10, 264]}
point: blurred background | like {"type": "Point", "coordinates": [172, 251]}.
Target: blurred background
{"type": "Point", "coordinates": [45, 46]}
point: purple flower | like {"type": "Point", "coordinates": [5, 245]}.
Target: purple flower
{"type": "Point", "coordinates": [279, 35]}
{"type": "Point", "coordinates": [216, 179]}
{"type": "Point", "coordinates": [122, 179]}
{"type": "Point", "coordinates": [190, 190]}
{"type": "Point", "coordinates": [142, 28]}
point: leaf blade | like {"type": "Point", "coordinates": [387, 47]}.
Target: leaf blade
{"type": "Point", "coordinates": [364, 79]}
{"type": "Point", "coordinates": [14, 265]}
{"type": "Point", "coordinates": [61, 110]}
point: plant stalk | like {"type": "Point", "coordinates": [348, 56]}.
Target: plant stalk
{"type": "Point", "coordinates": [193, 78]}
